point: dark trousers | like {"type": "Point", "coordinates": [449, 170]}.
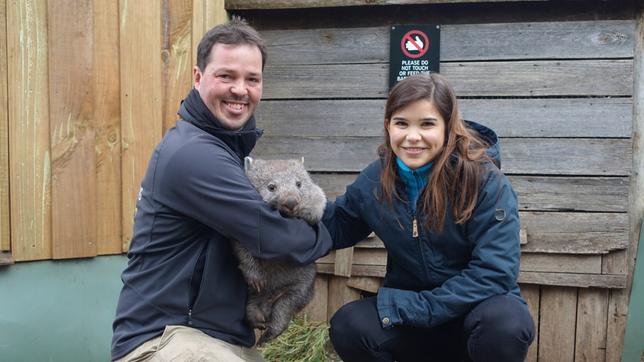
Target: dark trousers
{"type": "Point", "coordinates": [499, 329]}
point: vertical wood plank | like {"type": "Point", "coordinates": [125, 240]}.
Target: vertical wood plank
{"type": "Point", "coordinates": [557, 316]}
{"type": "Point", "coordinates": [5, 241]}
{"type": "Point", "coordinates": [317, 309]}
{"type": "Point", "coordinates": [205, 15]}
{"type": "Point", "coordinates": [141, 110]}
{"type": "Point", "coordinates": [71, 113]}
{"type": "Point", "coordinates": [176, 48]}
{"type": "Point", "coordinates": [215, 13]}
{"type": "Point", "coordinates": [531, 294]}
{"type": "Point", "coordinates": [198, 26]}
{"type": "Point", "coordinates": [339, 294]}
{"type": "Point", "coordinates": [29, 165]}
{"type": "Point", "coordinates": [343, 262]}
{"type": "Point", "coordinates": [107, 115]}
{"type": "Point", "coordinates": [619, 299]}
{"type": "Point", "coordinates": [592, 310]}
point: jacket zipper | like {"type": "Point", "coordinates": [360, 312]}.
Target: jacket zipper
{"type": "Point", "coordinates": [414, 227]}
{"type": "Point", "coordinates": [190, 316]}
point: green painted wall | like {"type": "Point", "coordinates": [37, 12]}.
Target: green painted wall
{"type": "Point", "coordinates": [634, 337]}
{"type": "Point", "coordinates": [59, 310]}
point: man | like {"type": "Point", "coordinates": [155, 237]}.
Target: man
{"type": "Point", "coordinates": [183, 296]}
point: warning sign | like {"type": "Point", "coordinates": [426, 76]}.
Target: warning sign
{"type": "Point", "coordinates": [414, 49]}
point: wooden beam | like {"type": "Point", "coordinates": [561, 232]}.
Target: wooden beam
{"type": "Point", "coordinates": [527, 277]}
{"type": "Point", "coordinates": [72, 132]}
{"type": "Point", "coordinates": [304, 4]}
{"type": "Point", "coordinates": [141, 109]}
{"type": "Point", "coordinates": [473, 79]}
{"type": "Point", "coordinates": [6, 258]}
{"type": "Point", "coordinates": [535, 117]}
{"type": "Point", "coordinates": [527, 156]}
{"type": "Point", "coordinates": [618, 304]}
{"type": "Point", "coordinates": [536, 193]}
{"type": "Point", "coordinates": [5, 229]}
{"type": "Point", "coordinates": [459, 42]}
{"type": "Point", "coordinates": [30, 160]}
{"type": "Point", "coordinates": [532, 296]}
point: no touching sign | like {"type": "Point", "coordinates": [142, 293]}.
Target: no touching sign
{"type": "Point", "coordinates": [414, 49]}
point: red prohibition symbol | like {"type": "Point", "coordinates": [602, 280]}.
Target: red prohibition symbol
{"type": "Point", "coordinates": [414, 40]}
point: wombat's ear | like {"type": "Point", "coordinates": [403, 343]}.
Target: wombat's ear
{"type": "Point", "coordinates": [248, 162]}
{"type": "Point", "coordinates": [302, 159]}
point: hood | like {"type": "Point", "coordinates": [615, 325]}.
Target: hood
{"type": "Point", "coordinates": [490, 137]}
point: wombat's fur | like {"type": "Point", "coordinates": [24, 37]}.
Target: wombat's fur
{"type": "Point", "coordinates": [278, 289]}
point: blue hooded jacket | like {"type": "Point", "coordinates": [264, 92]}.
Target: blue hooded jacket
{"type": "Point", "coordinates": [434, 277]}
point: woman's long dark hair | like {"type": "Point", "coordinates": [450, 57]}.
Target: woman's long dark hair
{"type": "Point", "coordinates": [456, 171]}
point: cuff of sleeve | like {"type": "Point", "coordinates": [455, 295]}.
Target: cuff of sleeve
{"type": "Point", "coordinates": [387, 311]}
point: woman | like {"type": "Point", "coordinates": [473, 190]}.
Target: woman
{"type": "Point", "coordinates": [449, 220]}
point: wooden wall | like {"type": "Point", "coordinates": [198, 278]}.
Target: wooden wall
{"type": "Point", "coordinates": [555, 82]}
{"type": "Point", "coordinates": [89, 87]}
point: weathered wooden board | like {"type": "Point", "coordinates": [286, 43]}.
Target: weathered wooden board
{"type": "Point", "coordinates": [30, 161]}
{"type": "Point", "coordinates": [294, 4]}
{"type": "Point", "coordinates": [562, 233]}
{"type": "Point", "coordinates": [367, 284]}
{"type": "Point", "coordinates": [459, 42]}
{"type": "Point", "coordinates": [141, 109]}
{"type": "Point", "coordinates": [5, 229]}
{"type": "Point", "coordinates": [590, 339]}
{"type": "Point", "coordinates": [531, 294]}
{"type": "Point", "coordinates": [528, 156]}
{"type": "Point", "coordinates": [317, 309]}
{"type": "Point", "coordinates": [107, 115]}
{"type": "Point", "coordinates": [537, 117]}
{"type": "Point", "coordinates": [556, 321]}
{"type": "Point", "coordinates": [536, 193]}
{"type": "Point", "coordinates": [525, 277]}
{"type": "Point", "coordinates": [574, 280]}
{"type": "Point", "coordinates": [6, 258]}
{"type": "Point", "coordinates": [72, 133]}
{"type": "Point", "coordinates": [205, 15]}
{"type": "Point", "coordinates": [554, 263]}
{"type": "Point", "coordinates": [476, 79]}
{"type": "Point", "coordinates": [340, 294]}
{"type": "Point", "coordinates": [176, 50]}
{"type": "Point", "coordinates": [578, 233]}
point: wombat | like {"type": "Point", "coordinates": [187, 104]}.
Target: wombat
{"type": "Point", "coordinates": [279, 289]}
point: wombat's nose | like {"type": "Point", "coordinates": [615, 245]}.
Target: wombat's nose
{"type": "Point", "coordinates": [290, 203]}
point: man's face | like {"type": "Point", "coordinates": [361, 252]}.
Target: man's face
{"type": "Point", "coordinates": [231, 84]}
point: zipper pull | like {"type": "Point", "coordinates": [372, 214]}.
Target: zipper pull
{"type": "Point", "coordinates": [414, 228]}
{"type": "Point", "coordinates": [189, 316]}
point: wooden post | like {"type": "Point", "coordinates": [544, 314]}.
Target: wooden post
{"type": "Point", "coordinates": [5, 242]}
{"type": "Point", "coordinates": [618, 307]}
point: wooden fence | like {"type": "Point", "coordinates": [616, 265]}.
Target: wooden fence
{"type": "Point", "coordinates": [90, 87]}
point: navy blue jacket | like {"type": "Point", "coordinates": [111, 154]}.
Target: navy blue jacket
{"type": "Point", "coordinates": [434, 277]}
{"type": "Point", "coordinates": [194, 199]}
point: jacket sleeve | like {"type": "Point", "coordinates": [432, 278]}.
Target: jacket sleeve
{"type": "Point", "coordinates": [205, 183]}
{"type": "Point", "coordinates": [492, 270]}
{"type": "Point", "coordinates": [343, 218]}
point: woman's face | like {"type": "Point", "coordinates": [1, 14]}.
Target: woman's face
{"type": "Point", "coordinates": [416, 133]}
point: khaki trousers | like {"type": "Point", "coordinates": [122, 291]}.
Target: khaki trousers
{"type": "Point", "coordinates": [181, 343]}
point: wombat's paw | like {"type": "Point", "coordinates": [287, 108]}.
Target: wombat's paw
{"type": "Point", "coordinates": [255, 280]}
{"type": "Point", "coordinates": [255, 318]}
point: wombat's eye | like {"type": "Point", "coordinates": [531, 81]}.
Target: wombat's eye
{"type": "Point", "coordinates": [298, 184]}
{"type": "Point", "coordinates": [271, 187]}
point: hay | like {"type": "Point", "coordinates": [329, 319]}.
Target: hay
{"type": "Point", "coordinates": [303, 341]}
